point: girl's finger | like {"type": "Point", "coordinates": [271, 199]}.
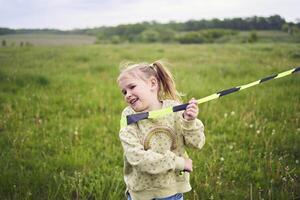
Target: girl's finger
{"type": "Point", "coordinates": [192, 106]}
{"type": "Point", "coordinates": [194, 110]}
{"type": "Point", "coordinates": [191, 113]}
{"type": "Point", "coordinates": [193, 100]}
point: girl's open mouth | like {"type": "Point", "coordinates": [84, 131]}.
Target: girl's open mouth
{"type": "Point", "coordinates": [133, 101]}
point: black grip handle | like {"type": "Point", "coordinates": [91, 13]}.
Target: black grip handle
{"type": "Point", "coordinates": [296, 70]}
{"type": "Point", "coordinates": [136, 117]}
{"type": "Point", "coordinates": [180, 107]}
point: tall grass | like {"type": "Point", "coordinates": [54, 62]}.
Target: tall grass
{"type": "Point", "coordinates": [60, 109]}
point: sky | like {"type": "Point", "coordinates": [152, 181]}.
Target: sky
{"type": "Point", "coordinates": [73, 14]}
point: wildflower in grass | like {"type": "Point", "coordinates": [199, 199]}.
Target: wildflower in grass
{"type": "Point", "coordinates": [251, 126]}
{"type": "Point", "coordinates": [219, 183]}
{"type": "Point", "coordinates": [75, 135]}
{"type": "Point", "coordinates": [38, 120]}
{"type": "Point", "coordinates": [225, 115]}
{"type": "Point", "coordinates": [273, 132]}
{"type": "Point", "coordinates": [287, 168]}
{"type": "Point", "coordinates": [284, 178]}
{"type": "Point", "coordinates": [232, 113]}
{"type": "Point", "coordinates": [230, 147]}
{"type": "Point", "coordinates": [76, 131]}
{"type": "Point", "coordinates": [297, 161]}
{"type": "Point", "coordinates": [291, 179]}
{"type": "Point", "coordinates": [222, 159]}
{"type": "Point", "coordinates": [258, 131]}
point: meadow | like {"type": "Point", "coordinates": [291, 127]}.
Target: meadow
{"type": "Point", "coordinates": [60, 109]}
{"type": "Point", "coordinates": [46, 39]}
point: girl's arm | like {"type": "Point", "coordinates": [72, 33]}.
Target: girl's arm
{"type": "Point", "coordinates": [147, 161]}
{"type": "Point", "coordinates": [193, 133]}
{"type": "Point", "coordinates": [192, 128]}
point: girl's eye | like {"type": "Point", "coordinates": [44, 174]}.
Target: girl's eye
{"type": "Point", "coordinates": [131, 87]}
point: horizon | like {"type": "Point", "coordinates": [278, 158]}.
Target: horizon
{"type": "Point", "coordinates": [67, 15]}
{"type": "Point", "coordinates": [152, 21]}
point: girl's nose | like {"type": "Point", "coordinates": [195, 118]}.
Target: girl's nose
{"type": "Point", "coordinates": [128, 95]}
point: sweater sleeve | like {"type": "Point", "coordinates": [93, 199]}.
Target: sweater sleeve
{"type": "Point", "coordinates": [193, 132]}
{"type": "Point", "coordinates": [147, 160]}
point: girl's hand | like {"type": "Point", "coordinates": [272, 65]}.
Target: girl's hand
{"type": "Point", "coordinates": [192, 110]}
{"type": "Point", "coordinates": [188, 165]}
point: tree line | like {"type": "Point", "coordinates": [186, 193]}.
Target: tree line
{"type": "Point", "coordinates": [192, 31]}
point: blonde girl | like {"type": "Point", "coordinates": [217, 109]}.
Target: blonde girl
{"type": "Point", "coordinates": [155, 163]}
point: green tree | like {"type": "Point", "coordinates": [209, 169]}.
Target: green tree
{"type": "Point", "coordinates": [166, 34]}
{"type": "Point", "coordinates": [190, 38]}
{"type": "Point", "coordinates": [149, 36]}
{"type": "Point", "coordinates": [285, 27]}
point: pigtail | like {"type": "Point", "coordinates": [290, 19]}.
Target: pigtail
{"type": "Point", "coordinates": [167, 83]}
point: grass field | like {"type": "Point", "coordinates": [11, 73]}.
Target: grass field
{"type": "Point", "coordinates": [60, 109]}
{"type": "Point", "coordinates": [46, 39]}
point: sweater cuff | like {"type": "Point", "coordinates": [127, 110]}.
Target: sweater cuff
{"type": "Point", "coordinates": [179, 163]}
{"type": "Point", "coordinates": [188, 124]}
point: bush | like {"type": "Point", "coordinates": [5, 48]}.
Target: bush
{"type": "Point", "coordinates": [115, 39]}
{"type": "Point", "coordinates": [206, 36]}
{"type": "Point", "coordinates": [290, 29]}
{"type": "Point", "coordinates": [253, 37]}
{"type": "Point", "coordinates": [149, 36]}
{"type": "Point", "coordinates": [3, 43]}
{"type": "Point", "coordinates": [166, 35]}
{"type": "Point", "coordinates": [212, 35]}
{"type": "Point", "coordinates": [190, 38]}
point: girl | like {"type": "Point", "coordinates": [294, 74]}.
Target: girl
{"type": "Point", "coordinates": [155, 163]}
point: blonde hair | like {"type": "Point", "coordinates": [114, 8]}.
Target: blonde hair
{"type": "Point", "coordinates": [167, 87]}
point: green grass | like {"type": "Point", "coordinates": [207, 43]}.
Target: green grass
{"type": "Point", "coordinates": [60, 109]}
{"type": "Point", "coordinates": [46, 39]}
{"type": "Point", "coordinates": [262, 37]}
{"type": "Point", "coordinates": [268, 36]}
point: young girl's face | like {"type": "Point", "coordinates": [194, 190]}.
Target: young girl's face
{"type": "Point", "coordinates": [140, 95]}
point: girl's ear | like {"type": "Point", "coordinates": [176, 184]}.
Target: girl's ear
{"type": "Point", "coordinates": [153, 83]}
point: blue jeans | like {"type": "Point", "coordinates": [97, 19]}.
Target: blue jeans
{"type": "Point", "coordinates": [178, 196]}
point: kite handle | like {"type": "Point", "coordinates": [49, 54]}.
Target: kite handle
{"type": "Point", "coordinates": [180, 107]}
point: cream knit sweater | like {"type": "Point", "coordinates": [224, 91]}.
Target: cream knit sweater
{"type": "Point", "coordinates": [154, 153]}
